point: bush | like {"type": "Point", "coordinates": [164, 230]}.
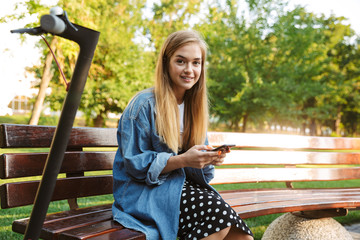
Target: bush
{"type": "Point", "coordinates": [48, 120]}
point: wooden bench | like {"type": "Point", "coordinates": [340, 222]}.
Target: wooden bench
{"type": "Point", "coordinates": [93, 222]}
{"type": "Point", "coordinates": [258, 158]}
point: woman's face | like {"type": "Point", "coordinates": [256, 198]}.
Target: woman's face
{"type": "Point", "coordinates": [185, 69]}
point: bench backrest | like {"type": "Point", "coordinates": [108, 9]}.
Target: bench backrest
{"type": "Point", "coordinates": [272, 158]}
{"type": "Point", "coordinates": [287, 158]}
{"type": "Point", "coordinates": [79, 159]}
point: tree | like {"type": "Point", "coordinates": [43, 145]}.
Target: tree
{"type": "Point", "coordinates": [240, 62]}
{"type": "Point", "coordinates": [300, 45]}
{"type": "Point", "coordinates": [36, 9]}
{"type": "Point", "coordinates": [120, 66]}
{"type": "Point", "coordinates": [169, 16]}
{"type": "Point", "coordinates": [269, 68]}
{"type": "Point", "coordinates": [273, 67]}
{"type": "Point", "coordinates": [342, 76]}
{"type": "Point", "coordinates": [45, 80]}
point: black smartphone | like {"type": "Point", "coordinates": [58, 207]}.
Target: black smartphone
{"type": "Point", "coordinates": [223, 146]}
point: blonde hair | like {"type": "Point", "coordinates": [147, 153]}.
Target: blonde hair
{"type": "Point", "coordinates": [195, 99]}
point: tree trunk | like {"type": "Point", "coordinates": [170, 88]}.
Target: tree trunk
{"type": "Point", "coordinates": [313, 127]}
{"type": "Point", "coordinates": [245, 118]}
{"type": "Point", "coordinates": [318, 130]}
{"type": "Point", "coordinates": [303, 129]}
{"type": "Point", "coordinates": [45, 80]}
{"type": "Point", "coordinates": [99, 121]}
{"type": "Point", "coordinates": [338, 122]}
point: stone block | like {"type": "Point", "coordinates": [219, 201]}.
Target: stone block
{"type": "Point", "coordinates": [291, 227]}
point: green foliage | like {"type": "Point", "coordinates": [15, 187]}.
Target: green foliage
{"type": "Point", "coordinates": [242, 84]}
{"type": "Point", "coordinates": [169, 16]}
{"type": "Point", "coordinates": [274, 67]}
{"type": "Point", "coordinates": [120, 67]}
{"type": "Point", "coordinates": [48, 120]}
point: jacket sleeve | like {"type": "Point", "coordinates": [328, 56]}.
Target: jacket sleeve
{"type": "Point", "coordinates": [143, 161]}
{"type": "Point", "coordinates": [209, 171]}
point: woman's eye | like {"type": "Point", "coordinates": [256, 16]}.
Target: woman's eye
{"type": "Point", "coordinates": [197, 63]}
{"type": "Point", "coordinates": [180, 61]}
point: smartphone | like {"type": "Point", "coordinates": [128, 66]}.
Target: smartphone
{"type": "Point", "coordinates": [223, 146]}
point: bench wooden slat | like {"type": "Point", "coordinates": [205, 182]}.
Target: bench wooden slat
{"type": "Point", "coordinates": [52, 230]}
{"type": "Point", "coordinates": [76, 222]}
{"type": "Point", "coordinates": [23, 193]}
{"type": "Point", "coordinates": [247, 211]}
{"type": "Point", "coordinates": [280, 195]}
{"type": "Point", "coordinates": [253, 157]}
{"type": "Point", "coordinates": [40, 136]}
{"type": "Point", "coordinates": [81, 223]}
{"type": "Point", "coordinates": [282, 141]}
{"type": "Point", "coordinates": [91, 230]}
{"type": "Point", "coordinates": [257, 202]}
{"type": "Point", "coordinates": [123, 234]}
{"type": "Point", "coordinates": [13, 165]}
{"type": "Point", "coordinates": [251, 175]}
{"type": "Point", "coordinates": [19, 136]}
{"type": "Point", "coordinates": [19, 226]}
{"type": "Point", "coordinates": [105, 229]}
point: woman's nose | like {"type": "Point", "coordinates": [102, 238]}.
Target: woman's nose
{"type": "Point", "coordinates": [188, 68]}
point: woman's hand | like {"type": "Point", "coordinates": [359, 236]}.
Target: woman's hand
{"type": "Point", "coordinates": [196, 157]}
{"type": "Point", "coordinates": [222, 154]}
{"type": "Point", "coordinates": [221, 157]}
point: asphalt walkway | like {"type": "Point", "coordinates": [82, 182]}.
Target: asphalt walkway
{"type": "Point", "coordinates": [354, 230]}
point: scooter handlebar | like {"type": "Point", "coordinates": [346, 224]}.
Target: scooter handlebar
{"type": "Point", "coordinates": [31, 31]}
{"type": "Point", "coordinates": [52, 24]}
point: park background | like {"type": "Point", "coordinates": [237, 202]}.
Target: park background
{"type": "Point", "coordinates": [273, 66]}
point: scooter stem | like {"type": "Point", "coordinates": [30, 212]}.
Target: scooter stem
{"type": "Point", "coordinates": [87, 40]}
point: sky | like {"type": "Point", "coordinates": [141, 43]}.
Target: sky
{"type": "Point", "coordinates": [347, 8]}
{"type": "Point", "coordinates": [15, 56]}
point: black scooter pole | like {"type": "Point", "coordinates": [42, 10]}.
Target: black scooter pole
{"type": "Point", "coordinates": [87, 40]}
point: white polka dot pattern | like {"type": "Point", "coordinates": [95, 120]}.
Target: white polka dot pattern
{"type": "Point", "coordinates": [203, 212]}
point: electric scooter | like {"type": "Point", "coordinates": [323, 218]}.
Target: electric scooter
{"type": "Point", "coordinates": [57, 23]}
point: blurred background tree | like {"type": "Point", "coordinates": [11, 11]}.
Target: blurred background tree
{"type": "Point", "coordinates": [267, 65]}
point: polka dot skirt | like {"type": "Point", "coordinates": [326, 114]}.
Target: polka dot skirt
{"type": "Point", "coordinates": [203, 212]}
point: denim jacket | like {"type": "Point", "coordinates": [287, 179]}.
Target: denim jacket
{"type": "Point", "coordinates": [145, 199]}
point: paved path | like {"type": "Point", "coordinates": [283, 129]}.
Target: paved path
{"type": "Point", "coordinates": [354, 230]}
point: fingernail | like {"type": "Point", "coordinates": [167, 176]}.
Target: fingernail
{"type": "Point", "coordinates": [219, 153]}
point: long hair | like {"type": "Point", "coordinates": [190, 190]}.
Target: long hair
{"type": "Point", "coordinates": [195, 99]}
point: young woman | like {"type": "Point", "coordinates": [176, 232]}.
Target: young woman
{"type": "Point", "coordinates": [162, 167]}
